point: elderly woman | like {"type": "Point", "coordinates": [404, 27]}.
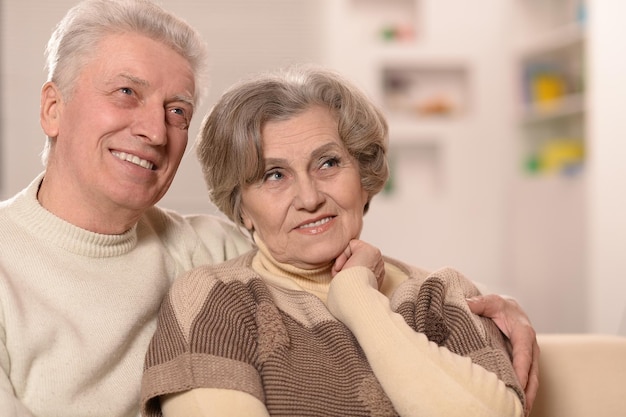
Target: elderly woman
{"type": "Point", "coordinates": [314, 321]}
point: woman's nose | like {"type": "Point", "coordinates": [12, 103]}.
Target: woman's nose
{"type": "Point", "coordinates": [308, 196]}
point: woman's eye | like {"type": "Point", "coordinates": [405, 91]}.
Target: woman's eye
{"type": "Point", "coordinates": [273, 176]}
{"type": "Point", "coordinates": [330, 162]}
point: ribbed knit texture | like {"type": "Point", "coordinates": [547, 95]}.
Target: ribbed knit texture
{"type": "Point", "coordinates": [233, 329]}
{"type": "Point", "coordinates": [442, 316]}
{"type": "Point", "coordinates": [78, 309]}
{"type": "Point", "coordinates": [297, 369]}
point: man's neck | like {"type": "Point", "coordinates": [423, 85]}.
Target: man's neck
{"type": "Point", "coordinates": [75, 209]}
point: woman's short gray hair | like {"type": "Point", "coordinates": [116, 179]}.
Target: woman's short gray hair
{"type": "Point", "coordinates": [77, 35]}
{"type": "Point", "coordinates": [229, 145]}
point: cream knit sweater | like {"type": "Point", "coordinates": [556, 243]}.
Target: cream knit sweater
{"type": "Point", "coordinates": [77, 309]}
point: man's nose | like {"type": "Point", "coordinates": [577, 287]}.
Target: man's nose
{"type": "Point", "coordinates": [150, 124]}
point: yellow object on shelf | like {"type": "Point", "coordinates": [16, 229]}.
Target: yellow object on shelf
{"type": "Point", "coordinates": [547, 88]}
{"type": "Point", "coordinates": [561, 155]}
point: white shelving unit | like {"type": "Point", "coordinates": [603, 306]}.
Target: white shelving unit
{"type": "Point", "coordinates": [551, 73]}
{"type": "Point", "coordinates": [547, 208]}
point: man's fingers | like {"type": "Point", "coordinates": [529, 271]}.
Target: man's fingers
{"type": "Point", "coordinates": [490, 305]}
{"type": "Point", "coordinates": [522, 363]}
{"type": "Point", "coordinates": [533, 380]}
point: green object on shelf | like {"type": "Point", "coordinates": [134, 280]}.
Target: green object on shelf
{"type": "Point", "coordinates": [557, 155]}
{"type": "Point", "coordinates": [532, 164]}
{"type": "Point", "coordinates": [388, 33]}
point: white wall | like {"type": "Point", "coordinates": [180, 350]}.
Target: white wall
{"type": "Point", "coordinates": [607, 168]}
{"type": "Point", "coordinates": [24, 30]}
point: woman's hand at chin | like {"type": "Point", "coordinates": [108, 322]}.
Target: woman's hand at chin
{"type": "Point", "coordinates": [360, 253]}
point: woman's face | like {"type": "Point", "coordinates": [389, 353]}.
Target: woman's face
{"type": "Point", "coordinates": [310, 202]}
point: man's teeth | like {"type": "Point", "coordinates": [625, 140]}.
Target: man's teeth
{"type": "Point", "coordinates": [134, 159]}
{"type": "Point", "coordinates": [317, 223]}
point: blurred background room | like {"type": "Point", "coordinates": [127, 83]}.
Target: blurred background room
{"type": "Point", "coordinates": [506, 135]}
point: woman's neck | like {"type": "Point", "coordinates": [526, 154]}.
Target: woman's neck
{"type": "Point", "coordinates": [314, 281]}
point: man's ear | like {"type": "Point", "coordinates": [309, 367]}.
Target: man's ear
{"type": "Point", "coordinates": [50, 108]}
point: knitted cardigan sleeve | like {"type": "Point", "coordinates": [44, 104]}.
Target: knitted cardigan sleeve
{"type": "Point", "coordinates": [441, 376]}
{"type": "Point", "coordinates": [176, 361]}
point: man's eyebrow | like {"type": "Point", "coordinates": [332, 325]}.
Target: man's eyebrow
{"type": "Point", "coordinates": [185, 99]}
{"type": "Point", "coordinates": [135, 80]}
{"type": "Point", "coordinates": [144, 83]}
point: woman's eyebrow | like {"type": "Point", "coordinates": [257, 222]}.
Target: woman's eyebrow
{"type": "Point", "coordinates": [274, 161]}
{"type": "Point", "coordinates": [325, 148]}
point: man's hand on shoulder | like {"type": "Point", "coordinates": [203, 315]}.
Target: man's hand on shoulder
{"type": "Point", "coordinates": [511, 319]}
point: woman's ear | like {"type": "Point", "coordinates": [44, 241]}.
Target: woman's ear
{"type": "Point", "coordinates": [245, 219]}
{"type": "Point", "coordinates": [50, 107]}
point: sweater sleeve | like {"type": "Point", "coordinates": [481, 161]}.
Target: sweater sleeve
{"type": "Point", "coordinates": [206, 340]}
{"type": "Point", "coordinates": [419, 376]}
{"type": "Point", "coordinates": [9, 403]}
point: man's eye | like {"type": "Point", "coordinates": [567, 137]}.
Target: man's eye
{"type": "Point", "coordinates": [178, 116]}
{"type": "Point", "coordinates": [127, 91]}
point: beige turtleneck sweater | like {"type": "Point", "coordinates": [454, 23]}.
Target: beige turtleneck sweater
{"type": "Point", "coordinates": [418, 376]}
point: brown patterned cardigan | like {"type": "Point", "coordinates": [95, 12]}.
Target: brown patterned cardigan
{"type": "Point", "coordinates": [224, 327]}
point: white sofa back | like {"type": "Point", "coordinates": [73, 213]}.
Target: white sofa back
{"type": "Point", "coordinates": [581, 375]}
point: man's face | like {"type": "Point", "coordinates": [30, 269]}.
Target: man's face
{"type": "Point", "coordinates": [121, 134]}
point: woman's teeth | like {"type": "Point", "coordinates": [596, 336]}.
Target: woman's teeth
{"type": "Point", "coordinates": [317, 223]}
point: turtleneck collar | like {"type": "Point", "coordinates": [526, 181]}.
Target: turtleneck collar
{"type": "Point", "coordinates": [314, 281]}
{"type": "Point", "coordinates": [33, 216]}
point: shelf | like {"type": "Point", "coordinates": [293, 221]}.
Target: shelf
{"type": "Point", "coordinates": [552, 74]}
{"type": "Point", "coordinates": [412, 132]}
{"type": "Point", "coordinates": [561, 38]}
{"type": "Point", "coordinates": [389, 22]}
{"type": "Point", "coordinates": [569, 105]}
{"type": "Point", "coordinates": [418, 54]}
{"type": "Point", "coordinates": [552, 104]}
{"type": "Point", "coordinates": [424, 92]}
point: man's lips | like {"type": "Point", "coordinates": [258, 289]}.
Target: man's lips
{"type": "Point", "coordinates": [133, 159]}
